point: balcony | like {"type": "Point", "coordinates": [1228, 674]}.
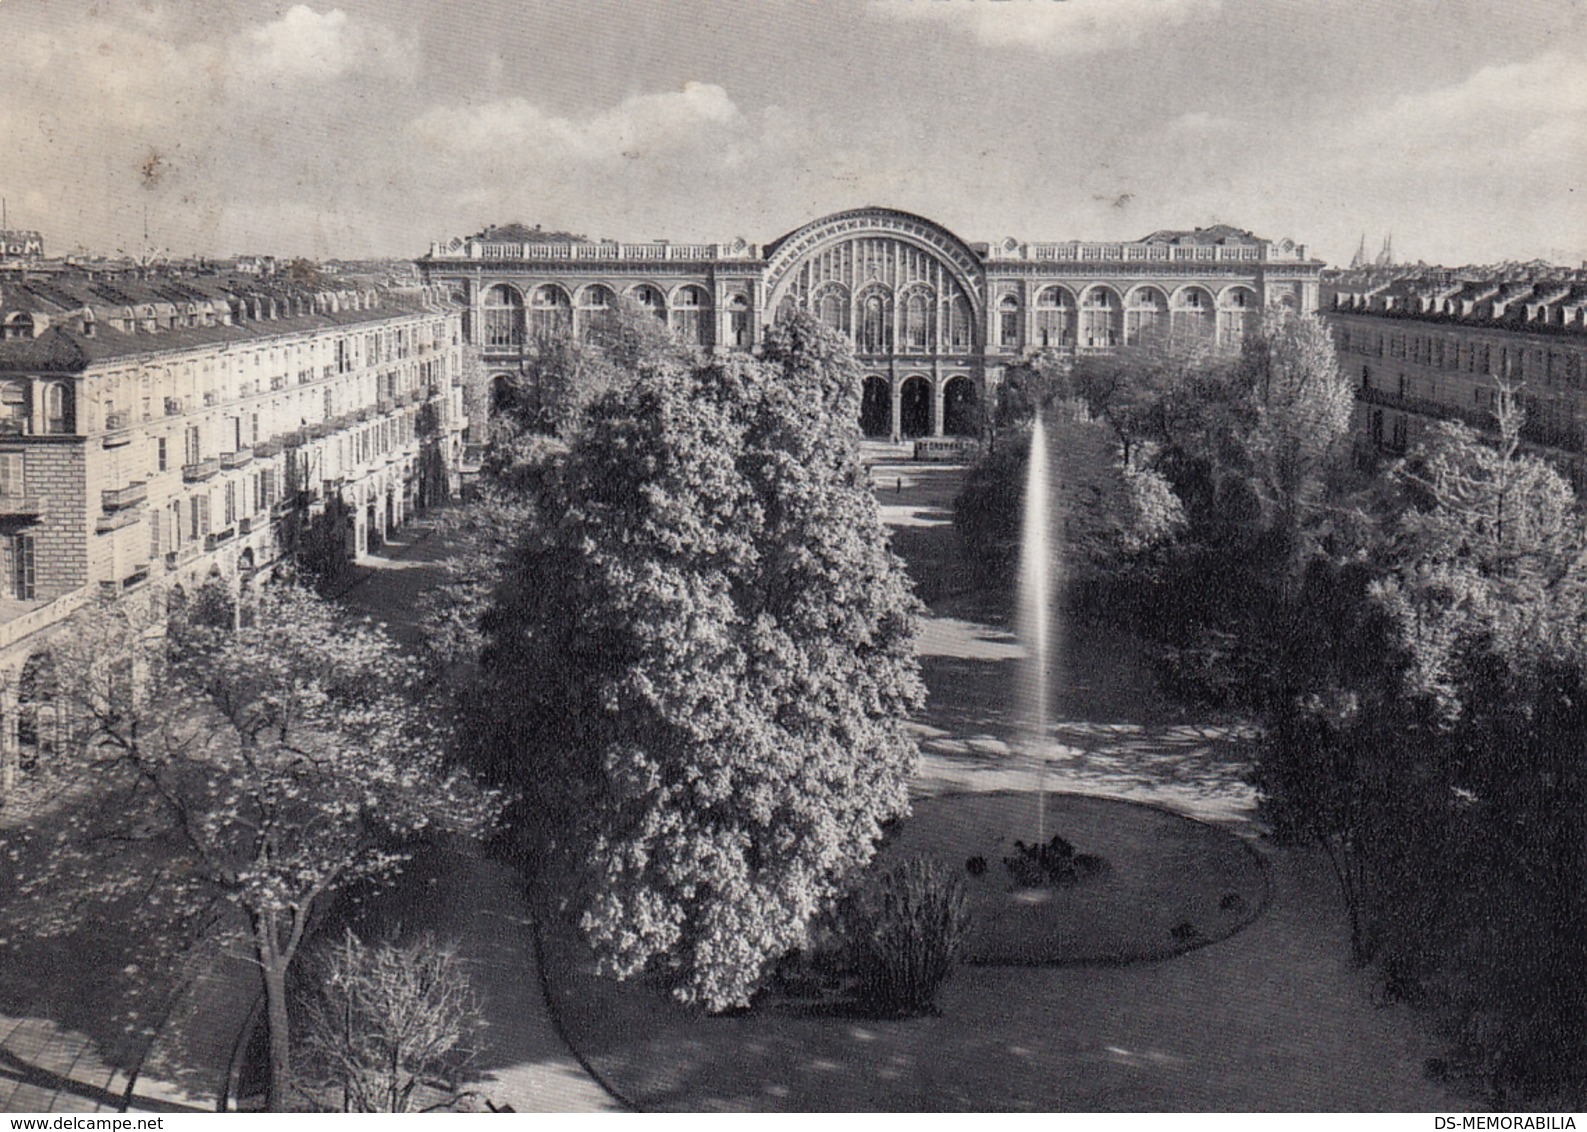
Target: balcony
{"type": "Point", "coordinates": [117, 426]}
{"type": "Point", "coordinates": [245, 526]}
{"type": "Point", "coordinates": [219, 538]}
{"type": "Point", "coordinates": [385, 404]}
{"type": "Point", "coordinates": [211, 397]}
{"type": "Point", "coordinates": [201, 471]}
{"type": "Point", "coordinates": [320, 429]}
{"type": "Point", "coordinates": [238, 459]}
{"type": "Point", "coordinates": [20, 505]}
{"type": "Point", "coordinates": [173, 406]}
{"type": "Point", "coordinates": [268, 449]}
{"type": "Point", "coordinates": [123, 498]}
{"type": "Point", "coordinates": [115, 521]}
{"type": "Point", "coordinates": [185, 554]}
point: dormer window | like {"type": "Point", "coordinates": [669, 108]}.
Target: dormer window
{"type": "Point", "coordinates": [19, 325]}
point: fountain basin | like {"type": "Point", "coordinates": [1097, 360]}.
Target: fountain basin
{"type": "Point", "coordinates": [1171, 883]}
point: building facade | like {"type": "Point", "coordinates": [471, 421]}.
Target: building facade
{"type": "Point", "coordinates": [1436, 345]}
{"type": "Point", "coordinates": [170, 431]}
{"type": "Point", "coordinates": [934, 320]}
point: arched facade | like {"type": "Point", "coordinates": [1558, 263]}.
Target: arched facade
{"type": "Point", "coordinates": [934, 320]}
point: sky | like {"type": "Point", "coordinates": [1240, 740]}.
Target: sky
{"type": "Point", "coordinates": [355, 128]}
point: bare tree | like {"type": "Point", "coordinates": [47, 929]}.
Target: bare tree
{"type": "Point", "coordinates": [387, 1028]}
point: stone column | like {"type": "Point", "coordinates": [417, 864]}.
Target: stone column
{"type": "Point", "coordinates": [898, 407]}
{"type": "Point", "coordinates": [938, 396]}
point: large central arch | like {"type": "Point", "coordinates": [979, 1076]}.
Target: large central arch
{"type": "Point", "coordinates": [906, 274]}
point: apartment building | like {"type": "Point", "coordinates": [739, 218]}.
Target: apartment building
{"type": "Point", "coordinates": [1435, 344]}
{"type": "Point", "coordinates": [164, 431]}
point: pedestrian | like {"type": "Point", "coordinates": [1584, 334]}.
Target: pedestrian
{"type": "Point", "coordinates": [898, 489]}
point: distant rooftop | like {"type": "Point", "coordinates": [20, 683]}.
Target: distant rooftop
{"type": "Point", "coordinates": [65, 323]}
{"type": "Point", "coordinates": [1216, 235]}
{"type": "Point", "coordinates": [516, 233]}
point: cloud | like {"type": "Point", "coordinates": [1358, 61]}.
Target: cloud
{"type": "Point", "coordinates": [1058, 27]}
{"type": "Point", "coordinates": [305, 44]}
{"type": "Point", "coordinates": [701, 115]}
{"type": "Point", "coordinates": [1531, 113]}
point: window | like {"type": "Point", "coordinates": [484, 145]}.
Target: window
{"type": "Point", "coordinates": [958, 324]}
{"type": "Point", "coordinates": [650, 298]}
{"type": "Point", "coordinates": [738, 322]}
{"type": "Point", "coordinates": [13, 483]}
{"type": "Point", "coordinates": [191, 448]}
{"type": "Point", "coordinates": [155, 517]}
{"type": "Point", "coordinates": [1008, 321]}
{"type": "Point", "coordinates": [691, 316]}
{"type": "Point", "coordinates": [875, 328]}
{"type": "Point", "coordinates": [1147, 309]}
{"type": "Point", "coordinates": [160, 457]}
{"type": "Point", "coordinates": [919, 324]}
{"type": "Point", "coordinates": [255, 428]}
{"type": "Point", "coordinates": [832, 309]}
{"type": "Point", "coordinates": [595, 311]}
{"type": "Point", "coordinates": [550, 311]}
{"type": "Point", "coordinates": [504, 318]}
{"type": "Point", "coordinates": [199, 514]}
{"type": "Point", "coordinates": [24, 568]}
{"type": "Point", "coordinates": [1054, 318]}
{"type": "Point", "coordinates": [231, 503]}
{"type": "Point", "coordinates": [14, 408]}
{"type": "Point", "coordinates": [1100, 325]}
{"type": "Point", "coordinates": [57, 409]}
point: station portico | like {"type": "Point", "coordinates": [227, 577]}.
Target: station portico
{"type": "Point", "coordinates": [934, 320]}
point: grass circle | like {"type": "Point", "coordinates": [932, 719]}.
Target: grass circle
{"type": "Point", "coordinates": [1170, 883]}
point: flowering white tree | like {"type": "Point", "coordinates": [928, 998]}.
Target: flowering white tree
{"type": "Point", "coordinates": [240, 775]}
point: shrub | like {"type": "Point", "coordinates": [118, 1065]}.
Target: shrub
{"type": "Point", "coordinates": [387, 1028]}
{"type": "Point", "coordinates": [906, 929]}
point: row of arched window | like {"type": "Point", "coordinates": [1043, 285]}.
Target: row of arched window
{"type": "Point", "coordinates": [55, 413]}
{"type": "Point", "coordinates": [510, 321]}
{"type": "Point", "coordinates": [1103, 319]}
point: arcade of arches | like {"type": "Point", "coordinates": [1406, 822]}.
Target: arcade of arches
{"type": "Point", "coordinates": [934, 320]}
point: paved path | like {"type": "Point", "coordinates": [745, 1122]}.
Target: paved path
{"type": "Point", "coordinates": [474, 901]}
{"type": "Point", "coordinates": [50, 1066]}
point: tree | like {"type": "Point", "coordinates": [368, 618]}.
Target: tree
{"type": "Point", "coordinates": [246, 774]}
{"type": "Point", "coordinates": [1432, 744]}
{"type": "Point", "coordinates": [562, 375]}
{"type": "Point", "coordinates": [388, 1028]}
{"type": "Point", "coordinates": [1295, 407]}
{"type": "Point", "coordinates": [1111, 510]}
{"type": "Point", "coordinates": [708, 648]}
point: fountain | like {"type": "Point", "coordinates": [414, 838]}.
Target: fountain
{"type": "Point", "coordinates": [1037, 565]}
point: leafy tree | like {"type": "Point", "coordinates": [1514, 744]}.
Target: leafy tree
{"type": "Point", "coordinates": [245, 774]}
{"type": "Point", "coordinates": [1030, 387]}
{"type": "Point", "coordinates": [1111, 511]}
{"type": "Point", "coordinates": [1294, 412]}
{"type": "Point", "coordinates": [388, 1028]}
{"type": "Point", "coordinates": [563, 375]}
{"type": "Point", "coordinates": [707, 647]}
{"type": "Point", "coordinates": [1432, 744]}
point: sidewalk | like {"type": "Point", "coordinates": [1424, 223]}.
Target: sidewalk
{"type": "Point", "coordinates": [61, 1053]}
{"type": "Point", "coordinates": [465, 897]}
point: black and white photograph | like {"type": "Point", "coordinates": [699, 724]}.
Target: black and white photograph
{"type": "Point", "coordinates": [880, 556]}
